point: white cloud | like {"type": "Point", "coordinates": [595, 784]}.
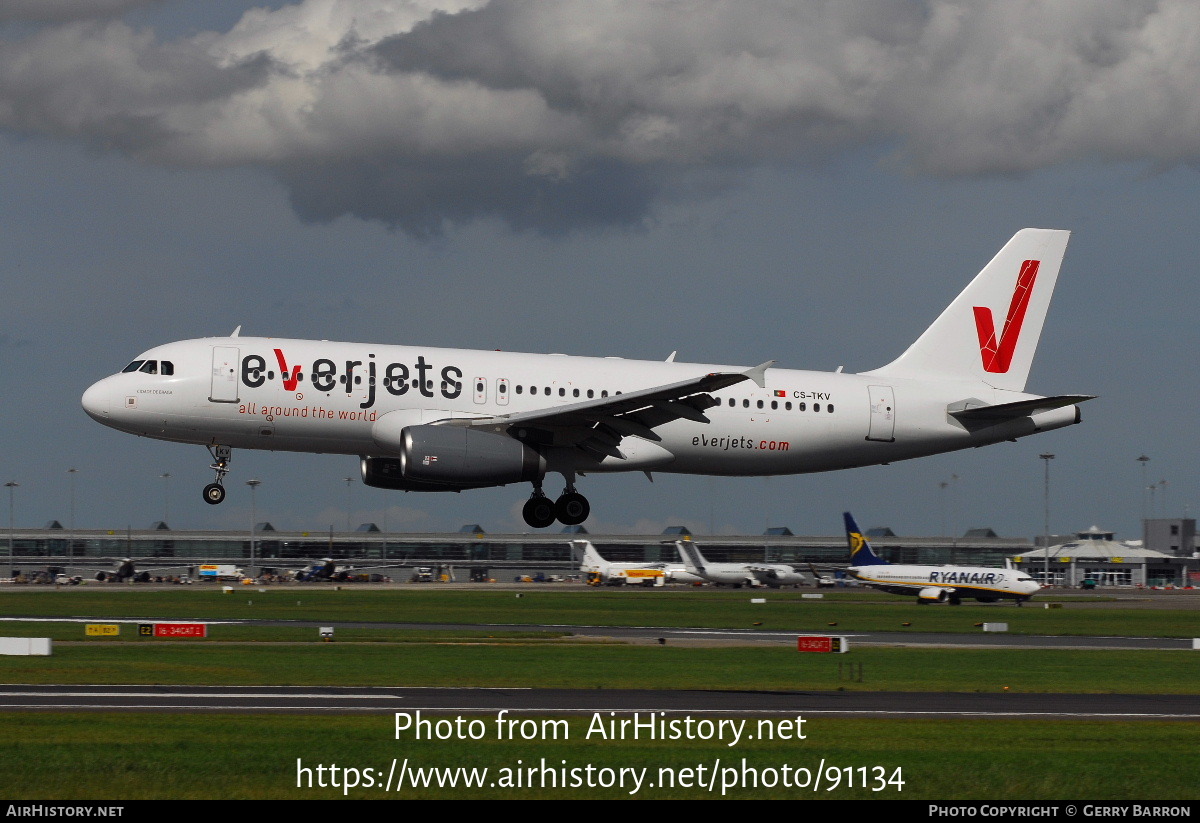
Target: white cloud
{"type": "Point", "coordinates": [534, 110]}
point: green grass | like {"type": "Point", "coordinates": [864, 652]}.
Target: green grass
{"type": "Point", "coordinates": [232, 633]}
{"type": "Point", "coordinates": [611, 667]}
{"type": "Point", "coordinates": [783, 611]}
{"type": "Point", "coordinates": [124, 757]}
{"type": "Point", "coordinates": [102, 756]}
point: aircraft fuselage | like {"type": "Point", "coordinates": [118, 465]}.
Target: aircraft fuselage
{"type": "Point", "coordinates": [318, 396]}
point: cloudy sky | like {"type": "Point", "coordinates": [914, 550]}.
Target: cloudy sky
{"type": "Point", "coordinates": [805, 182]}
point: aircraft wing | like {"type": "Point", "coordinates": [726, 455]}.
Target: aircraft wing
{"type": "Point", "coordinates": [598, 425]}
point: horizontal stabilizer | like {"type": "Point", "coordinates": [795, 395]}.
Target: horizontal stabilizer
{"type": "Point", "coordinates": [967, 411]}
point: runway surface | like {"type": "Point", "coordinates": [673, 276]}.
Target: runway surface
{"type": "Point", "coordinates": [750, 637]}
{"type": "Point", "coordinates": [356, 700]}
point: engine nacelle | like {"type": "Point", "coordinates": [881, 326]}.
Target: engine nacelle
{"type": "Point", "coordinates": [452, 458]}
{"type": "Point", "coordinates": [933, 594]}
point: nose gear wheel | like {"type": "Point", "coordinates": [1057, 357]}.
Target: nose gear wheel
{"type": "Point", "coordinates": [214, 492]}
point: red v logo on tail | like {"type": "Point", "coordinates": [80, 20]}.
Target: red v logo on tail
{"type": "Point", "coordinates": [997, 355]}
{"type": "Point", "coordinates": [290, 379]}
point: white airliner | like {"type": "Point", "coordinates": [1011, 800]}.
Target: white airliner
{"type": "Point", "coordinates": [590, 562]}
{"type": "Point", "coordinates": [427, 419]}
{"type": "Point", "coordinates": [773, 575]}
{"type": "Point", "coordinates": [935, 584]}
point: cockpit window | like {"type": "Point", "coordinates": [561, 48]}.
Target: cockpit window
{"type": "Point", "coordinates": [149, 367]}
{"type": "Point", "coordinates": [166, 367]}
{"type": "Point", "coordinates": [134, 366]}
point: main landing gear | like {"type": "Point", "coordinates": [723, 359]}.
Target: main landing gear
{"type": "Point", "coordinates": [214, 493]}
{"type": "Point", "coordinates": [571, 508]}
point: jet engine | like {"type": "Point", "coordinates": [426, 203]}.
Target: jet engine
{"type": "Point", "coordinates": [453, 458]}
{"type": "Point", "coordinates": [933, 594]}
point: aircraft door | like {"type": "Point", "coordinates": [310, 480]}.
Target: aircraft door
{"type": "Point", "coordinates": [883, 414]}
{"type": "Point", "coordinates": [224, 375]}
{"type": "Point", "coordinates": [502, 391]}
{"type": "Point", "coordinates": [480, 390]}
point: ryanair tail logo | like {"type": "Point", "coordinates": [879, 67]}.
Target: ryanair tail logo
{"type": "Point", "coordinates": [857, 541]}
{"type": "Point", "coordinates": [998, 354]}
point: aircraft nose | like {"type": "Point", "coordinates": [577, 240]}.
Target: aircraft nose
{"type": "Point", "coordinates": [97, 401]}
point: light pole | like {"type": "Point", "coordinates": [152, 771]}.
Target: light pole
{"type": "Point", "coordinates": [1144, 460]}
{"type": "Point", "coordinates": [71, 534]}
{"type": "Point", "coordinates": [11, 486]}
{"type": "Point", "coordinates": [942, 498]}
{"type": "Point", "coordinates": [349, 486]}
{"type": "Point", "coordinates": [253, 484]}
{"type": "Point", "coordinates": [1046, 458]}
{"type": "Point", "coordinates": [166, 479]}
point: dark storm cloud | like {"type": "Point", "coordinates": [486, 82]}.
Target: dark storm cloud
{"type": "Point", "coordinates": [552, 114]}
{"type": "Point", "coordinates": [422, 198]}
{"type": "Point", "coordinates": [57, 11]}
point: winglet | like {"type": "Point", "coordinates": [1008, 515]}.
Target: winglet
{"type": "Point", "coordinates": [759, 373]}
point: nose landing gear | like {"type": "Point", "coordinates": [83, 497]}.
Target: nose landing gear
{"type": "Point", "coordinates": [214, 492]}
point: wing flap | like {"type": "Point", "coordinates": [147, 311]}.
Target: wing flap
{"type": "Point", "coordinates": [629, 413]}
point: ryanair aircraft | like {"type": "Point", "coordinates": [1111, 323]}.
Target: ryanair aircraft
{"type": "Point", "coordinates": [934, 584]}
{"type": "Point", "coordinates": [427, 419]}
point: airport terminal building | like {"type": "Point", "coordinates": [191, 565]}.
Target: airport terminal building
{"type": "Point", "coordinates": [476, 554]}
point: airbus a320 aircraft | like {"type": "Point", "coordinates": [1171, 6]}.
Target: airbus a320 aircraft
{"type": "Point", "coordinates": [934, 584]}
{"type": "Point", "coordinates": [426, 419]}
{"type": "Point", "coordinates": [737, 575]}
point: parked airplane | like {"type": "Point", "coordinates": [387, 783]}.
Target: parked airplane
{"type": "Point", "coordinates": [934, 584]}
{"type": "Point", "coordinates": [591, 563]}
{"type": "Point", "coordinates": [425, 419]}
{"type": "Point", "coordinates": [738, 574]}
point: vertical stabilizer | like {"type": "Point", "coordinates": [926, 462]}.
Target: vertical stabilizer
{"type": "Point", "coordinates": [590, 559]}
{"type": "Point", "coordinates": [990, 332]}
{"type": "Point", "coordinates": [861, 553]}
{"type": "Point", "coordinates": [693, 561]}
